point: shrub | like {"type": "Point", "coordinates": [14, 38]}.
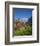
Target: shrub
{"type": "Point", "coordinates": [26, 30]}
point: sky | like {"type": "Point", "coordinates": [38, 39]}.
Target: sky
{"type": "Point", "coordinates": [23, 14]}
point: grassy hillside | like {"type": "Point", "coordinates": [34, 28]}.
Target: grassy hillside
{"type": "Point", "coordinates": [23, 29]}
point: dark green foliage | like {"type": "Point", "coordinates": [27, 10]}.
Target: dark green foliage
{"type": "Point", "coordinates": [30, 19]}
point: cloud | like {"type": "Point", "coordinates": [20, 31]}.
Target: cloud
{"type": "Point", "coordinates": [24, 19]}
